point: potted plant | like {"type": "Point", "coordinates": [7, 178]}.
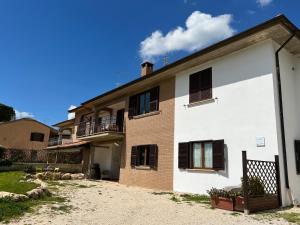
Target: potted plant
{"type": "Point", "coordinates": [222, 199]}
{"type": "Point", "coordinates": [255, 190]}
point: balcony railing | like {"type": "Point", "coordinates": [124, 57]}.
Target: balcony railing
{"type": "Point", "coordinates": [106, 124]}
{"type": "Point", "coordinates": [59, 141]}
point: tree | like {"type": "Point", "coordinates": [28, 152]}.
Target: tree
{"type": "Point", "coordinates": [7, 113]}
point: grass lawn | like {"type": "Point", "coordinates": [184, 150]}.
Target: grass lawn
{"type": "Point", "coordinates": [9, 181]}
{"type": "Point", "coordinates": [9, 209]}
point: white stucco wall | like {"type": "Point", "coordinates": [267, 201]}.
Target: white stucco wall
{"type": "Point", "coordinates": [109, 157]}
{"type": "Point", "coordinates": [290, 82]}
{"type": "Point", "coordinates": [103, 156]}
{"type": "Point", "coordinates": [244, 109]}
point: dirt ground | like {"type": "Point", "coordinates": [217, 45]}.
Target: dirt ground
{"type": "Point", "coordinates": [110, 203]}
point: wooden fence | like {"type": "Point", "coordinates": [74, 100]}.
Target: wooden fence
{"type": "Point", "coordinates": [268, 174]}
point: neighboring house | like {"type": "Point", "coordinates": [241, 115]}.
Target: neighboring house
{"type": "Point", "coordinates": [27, 135]}
{"type": "Point", "coordinates": [184, 127]}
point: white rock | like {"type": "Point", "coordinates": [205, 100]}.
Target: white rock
{"type": "Point", "coordinates": [77, 176]}
{"type": "Point", "coordinates": [66, 176]}
{"type": "Point", "coordinates": [12, 196]}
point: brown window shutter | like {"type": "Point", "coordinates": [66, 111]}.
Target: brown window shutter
{"type": "Point", "coordinates": [218, 155]}
{"type": "Point", "coordinates": [201, 85]}
{"type": "Point", "coordinates": [206, 84]}
{"type": "Point", "coordinates": [153, 156]}
{"type": "Point", "coordinates": [194, 87]}
{"type": "Point", "coordinates": [297, 156]}
{"type": "Point", "coordinates": [132, 110]}
{"type": "Point", "coordinates": [134, 157]}
{"type": "Point", "coordinates": [183, 155]}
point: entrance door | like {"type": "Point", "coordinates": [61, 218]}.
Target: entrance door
{"type": "Point", "coordinates": [120, 119]}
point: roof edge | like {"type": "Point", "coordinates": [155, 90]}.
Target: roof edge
{"type": "Point", "coordinates": [30, 119]}
{"type": "Point", "coordinates": [64, 121]}
{"type": "Point", "coordinates": [275, 20]}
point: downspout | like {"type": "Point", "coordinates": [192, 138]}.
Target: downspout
{"type": "Point", "coordinates": [287, 185]}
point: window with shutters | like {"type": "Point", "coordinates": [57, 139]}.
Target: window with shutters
{"type": "Point", "coordinates": [144, 102]}
{"type": "Point", "coordinates": [201, 155]}
{"type": "Point", "coordinates": [297, 156]}
{"type": "Point", "coordinates": [144, 156]}
{"type": "Point", "coordinates": [201, 85]}
{"type": "Point", "coordinates": [37, 137]}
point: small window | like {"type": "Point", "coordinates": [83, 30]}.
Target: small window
{"type": "Point", "coordinates": [297, 156]}
{"type": "Point", "coordinates": [37, 137]}
{"type": "Point", "coordinates": [201, 85]}
{"type": "Point", "coordinates": [145, 102]}
{"type": "Point", "coordinates": [201, 155]}
{"type": "Point", "coordinates": [144, 155]}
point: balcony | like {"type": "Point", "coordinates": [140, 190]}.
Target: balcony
{"type": "Point", "coordinates": [59, 141]}
{"type": "Point", "coordinates": [105, 128]}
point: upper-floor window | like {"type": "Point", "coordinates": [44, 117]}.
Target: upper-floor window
{"type": "Point", "coordinates": [201, 85]}
{"type": "Point", "coordinates": [144, 102]}
{"type": "Point", "coordinates": [35, 136]}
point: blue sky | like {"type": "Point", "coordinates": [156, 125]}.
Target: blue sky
{"type": "Point", "coordinates": [57, 53]}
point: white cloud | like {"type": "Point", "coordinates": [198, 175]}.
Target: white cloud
{"type": "Point", "coordinates": [201, 30]}
{"type": "Point", "coordinates": [263, 3]}
{"type": "Point", "coordinates": [71, 115]}
{"type": "Point", "coordinates": [20, 115]}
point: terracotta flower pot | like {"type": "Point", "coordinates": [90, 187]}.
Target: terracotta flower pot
{"type": "Point", "coordinates": [222, 203]}
{"type": "Point", "coordinates": [239, 203]}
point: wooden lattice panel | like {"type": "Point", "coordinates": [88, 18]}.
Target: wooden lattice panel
{"type": "Point", "coordinates": [266, 172]}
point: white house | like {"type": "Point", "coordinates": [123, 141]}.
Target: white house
{"type": "Point", "coordinates": [231, 96]}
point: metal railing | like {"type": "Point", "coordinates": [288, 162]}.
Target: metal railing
{"type": "Point", "coordinates": [59, 141]}
{"type": "Point", "coordinates": [105, 124]}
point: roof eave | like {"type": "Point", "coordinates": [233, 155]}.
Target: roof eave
{"type": "Point", "coordinates": [276, 20]}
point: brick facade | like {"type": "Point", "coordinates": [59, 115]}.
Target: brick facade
{"type": "Point", "coordinates": [155, 129]}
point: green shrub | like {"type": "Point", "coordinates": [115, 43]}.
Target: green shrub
{"type": "Point", "coordinates": [255, 186]}
{"type": "Point", "coordinates": [2, 150]}
{"type": "Point", "coordinates": [214, 192]}
{"type": "Point", "coordinates": [5, 162]}
{"type": "Point", "coordinates": [29, 169]}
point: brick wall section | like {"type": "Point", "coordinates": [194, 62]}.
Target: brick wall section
{"type": "Point", "coordinates": [155, 129]}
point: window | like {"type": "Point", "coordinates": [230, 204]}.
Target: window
{"type": "Point", "coordinates": [297, 156]}
{"type": "Point", "coordinates": [37, 137]}
{"type": "Point", "coordinates": [144, 155]}
{"type": "Point", "coordinates": [144, 102]}
{"type": "Point", "coordinates": [201, 155]}
{"type": "Point", "coordinates": [201, 85]}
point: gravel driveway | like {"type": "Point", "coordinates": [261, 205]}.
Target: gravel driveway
{"type": "Point", "coordinates": [111, 203]}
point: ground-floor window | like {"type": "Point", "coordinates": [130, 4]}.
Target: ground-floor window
{"type": "Point", "coordinates": [144, 155]}
{"type": "Point", "coordinates": [201, 155]}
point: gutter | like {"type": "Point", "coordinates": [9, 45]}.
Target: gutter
{"type": "Point", "coordinates": [282, 126]}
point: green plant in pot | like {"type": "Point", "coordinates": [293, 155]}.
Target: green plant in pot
{"type": "Point", "coordinates": [255, 187]}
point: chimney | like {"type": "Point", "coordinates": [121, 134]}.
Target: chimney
{"type": "Point", "coordinates": [147, 68]}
